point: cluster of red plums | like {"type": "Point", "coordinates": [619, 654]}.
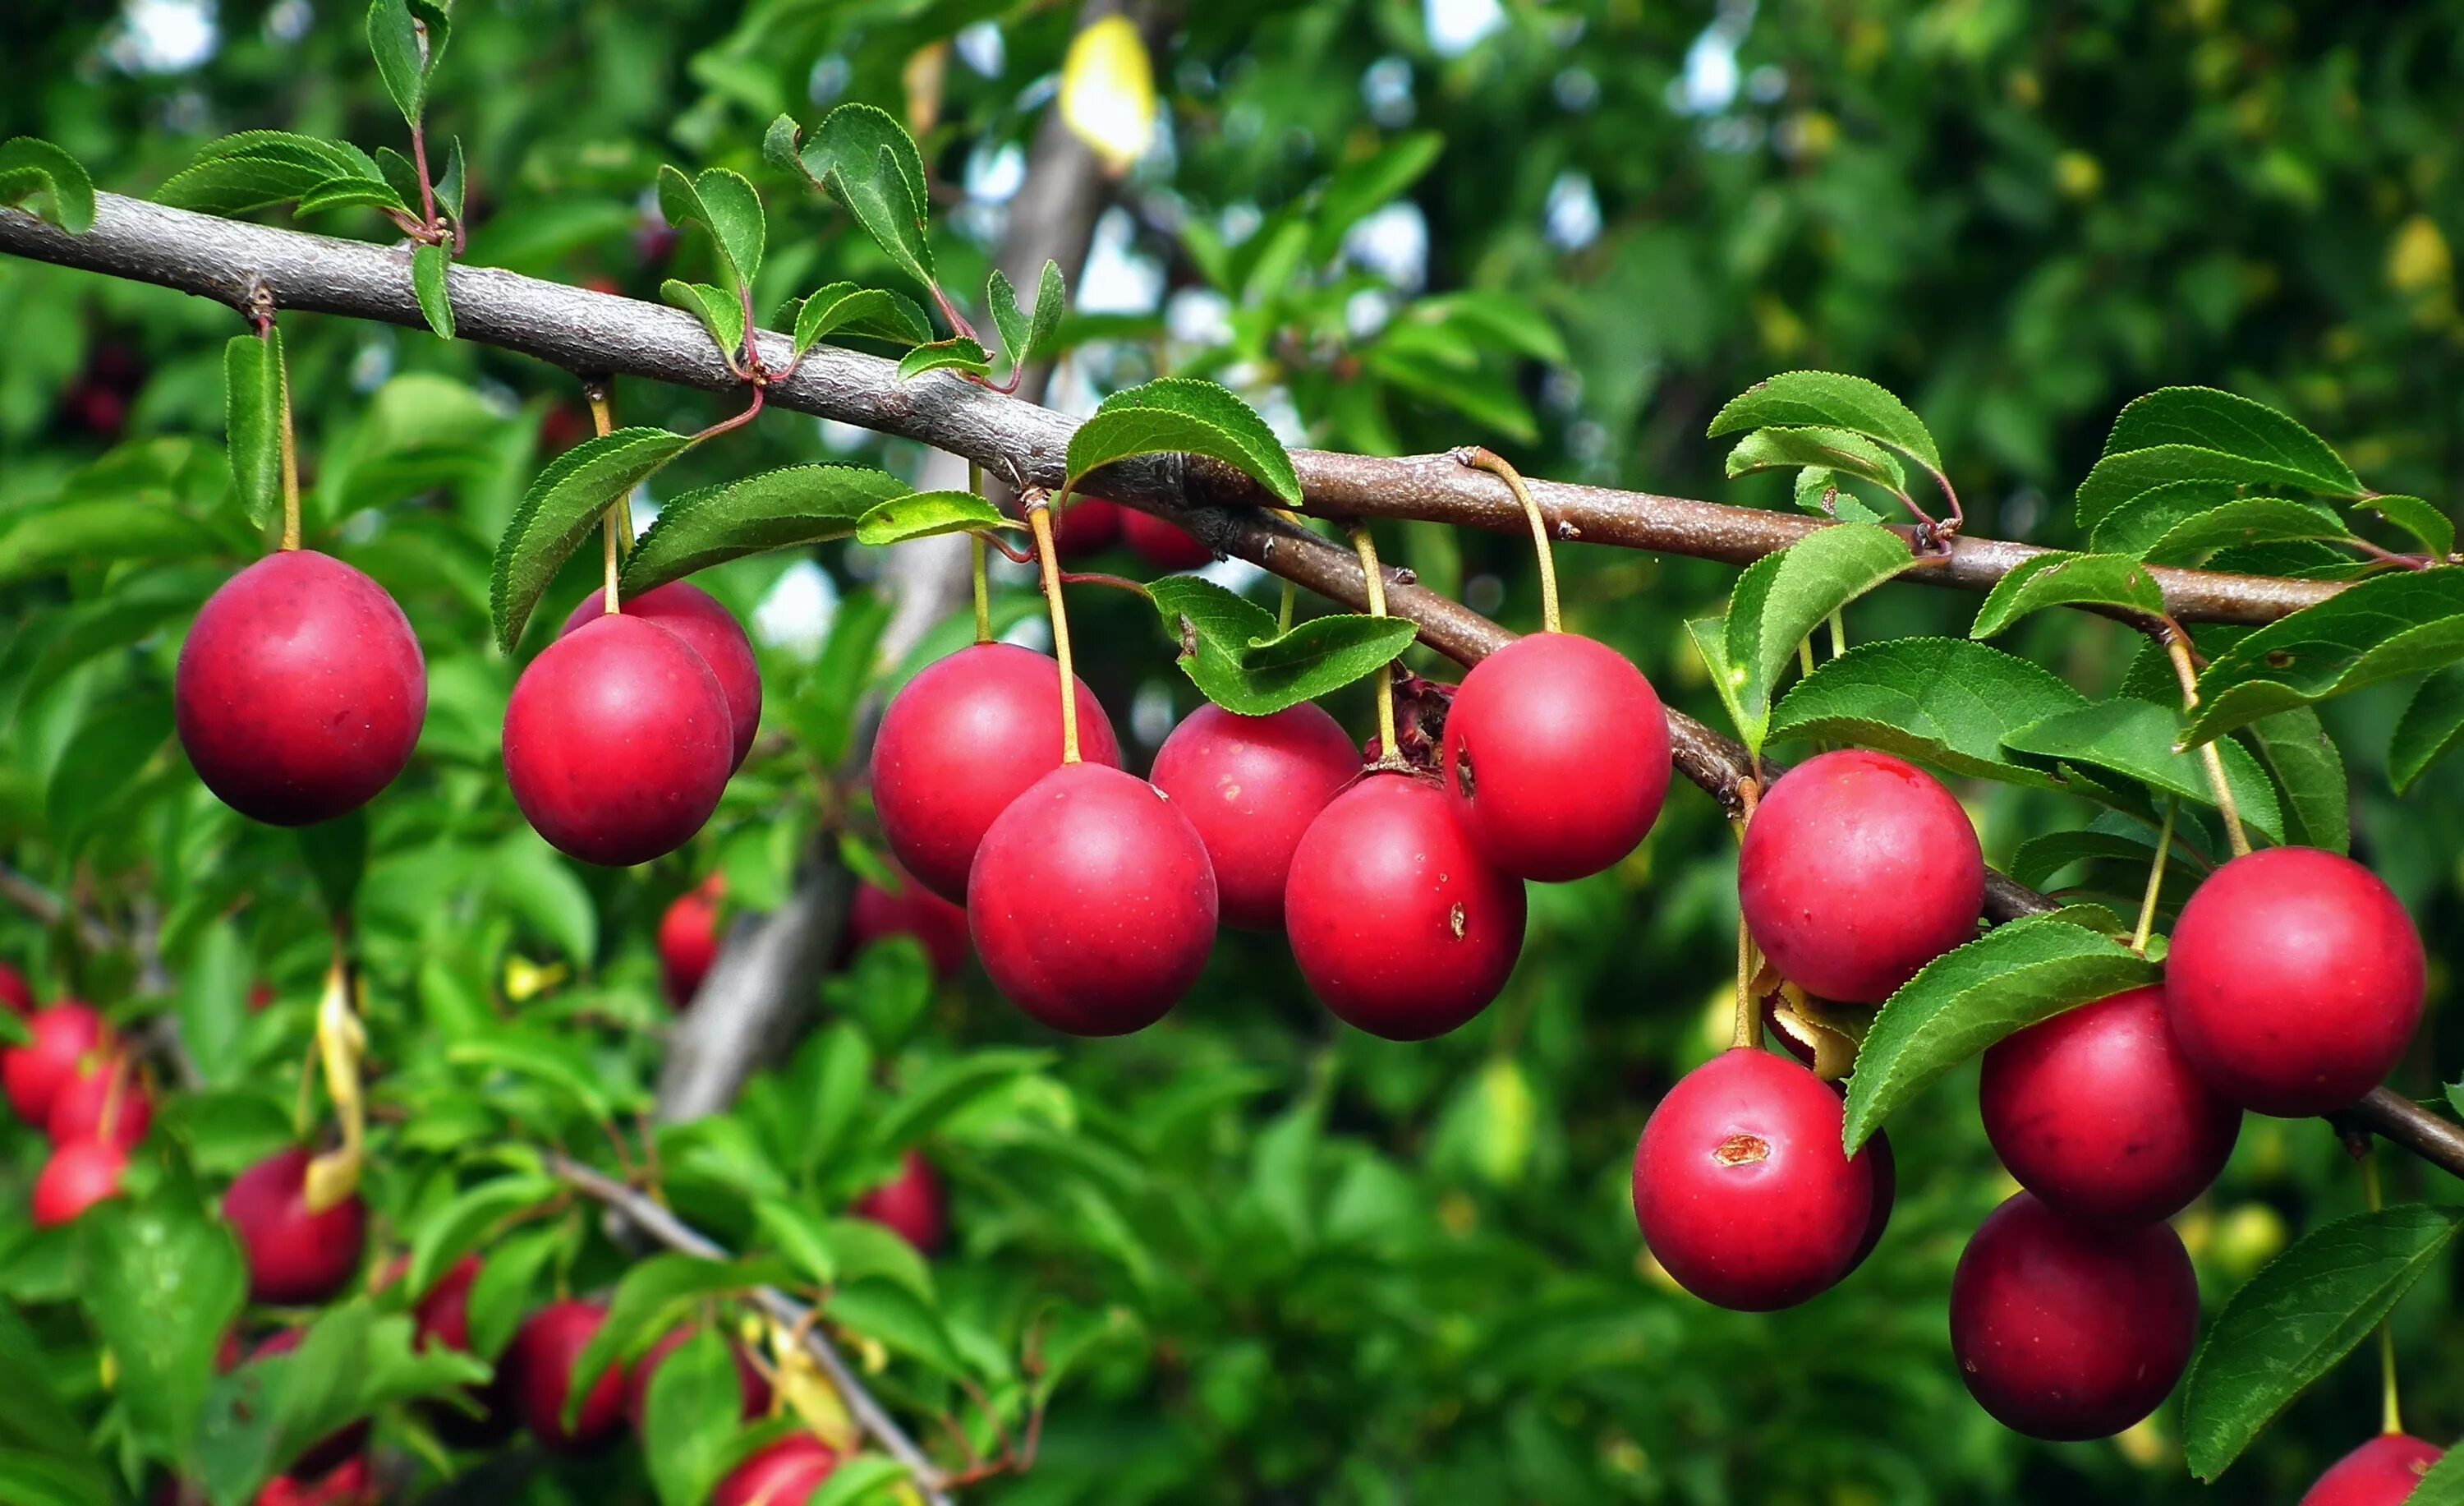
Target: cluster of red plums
{"type": "Point", "coordinates": [2293, 983]}
{"type": "Point", "coordinates": [76, 1081]}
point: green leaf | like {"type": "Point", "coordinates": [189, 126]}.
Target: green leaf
{"type": "Point", "coordinates": [42, 1444]}
{"type": "Point", "coordinates": [428, 268]}
{"type": "Point", "coordinates": [862, 157]}
{"type": "Point", "coordinates": [1965, 1000]}
{"type": "Point", "coordinates": [337, 854]}
{"type": "Point", "coordinates": [107, 530]}
{"type": "Point", "coordinates": [1832, 449]}
{"type": "Point", "coordinates": [468, 1223]}
{"type": "Point", "coordinates": [529, 880]}
{"type": "Point", "coordinates": [351, 192]}
{"type": "Point", "coordinates": [874, 313]}
{"type": "Point", "coordinates": [2436, 530]}
{"type": "Point", "coordinates": [799, 1236]}
{"type": "Point", "coordinates": [2137, 739]}
{"type": "Point", "coordinates": [862, 1480]}
{"type": "Point", "coordinates": [654, 1297]}
{"type": "Point", "coordinates": [1025, 338]}
{"type": "Point", "coordinates": [2123, 476]}
{"type": "Point", "coordinates": [253, 407]}
{"type": "Point", "coordinates": [831, 1073]}
{"type": "Point", "coordinates": [560, 1064]}
{"type": "Point", "coordinates": [2067, 580]}
{"type": "Point", "coordinates": [1829, 400]}
{"type": "Point", "coordinates": [1780, 599]}
{"type": "Point", "coordinates": [958, 353]}
{"type": "Point", "coordinates": [1367, 185]}
{"type": "Point", "coordinates": [2404, 623]}
{"type": "Point", "coordinates": [34, 168]}
{"type": "Point", "coordinates": [724, 204]}
{"type": "Point", "coordinates": [925, 515]}
{"type": "Point", "coordinates": [505, 1289]}
{"type": "Point", "coordinates": [2443, 1485]}
{"type": "Point", "coordinates": [1944, 702]}
{"type": "Point", "coordinates": [563, 504]}
{"type": "Point", "coordinates": [402, 61]}
{"type": "Point", "coordinates": [257, 169]}
{"type": "Point", "coordinates": [720, 311]}
{"type": "Point", "coordinates": [2248, 431]}
{"type": "Point", "coordinates": [212, 1005]}
{"type": "Point", "coordinates": [896, 1317]}
{"type": "Point", "coordinates": [689, 1418]}
{"type": "Point", "coordinates": [162, 1281]}
{"type": "Point", "coordinates": [1231, 651]}
{"type": "Point", "coordinates": [801, 504]}
{"type": "Point", "coordinates": [2304, 1311]}
{"type": "Point", "coordinates": [2295, 748]}
{"type": "Point", "coordinates": [1186, 416]}
{"type": "Point", "coordinates": [2428, 729]}
{"type": "Point", "coordinates": [450, 188]}
{"type": "Point", "coordinates": [2167, 525]}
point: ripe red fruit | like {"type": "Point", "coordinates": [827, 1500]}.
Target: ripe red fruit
{"type": "Point", "coordinates": [352, 1483]}
{"type": "Point", "coordinates": [1251, 785]}
{"type": "Point", "coordinates": [1857, 870]}
{"type": "Point", "coordinates": [2383, 1472]}
{"type": "Point", "coordinates": [711, 630]}
{"type": "Point", "coordinates": [637, 1387]}
{"type": "Point", "coordinates": [299, 691]}
{"type": "Point", "coordinates": [1399, 926]}
{"type": "Point", "coordinates": [15, 996]}
{"type": "Point", "coordinates": [689, 940]}
{"type": "Point", "coordinates": [1087, 525]}
{"type": "Point", "coordinates": [107, 1100]}
{"type": "Point", "coordinates": [1556, 752]}
{"type": "Point", "coordinates": [1165, 545]}
{"type": "Point", "coordinates": [961, 741]}
{"type": "Point", "coordinates": [538, 1370]}
{"type": "Point", "coordinates": [1091, 901]}
{"type": "Point", "coordinates": [61, 1038]}
{"type": "Point", "coordinates": [2097, 1112]}
{"type": "Point", "coordinates": [1741, 1188]}
{"type": "Point", "coordinates": [328, 1453]}
{"type": "Point", "coordinates": [616, 741]}
{"type": "Point", "coordinates": [913, 911]}
{"type": "Point", "coordinates": [296, 1257]}
{"type": "Point", "coordinates": [2067, 1331]}
{"type": "Point", "coordinates": [785, 1474]}
{"type": "Point", "coordinates": [912, 1205]}
{"type": "Point", "coordinates": [2295, 980]}
{"type": "Point", "coordinates": [79, 1174]}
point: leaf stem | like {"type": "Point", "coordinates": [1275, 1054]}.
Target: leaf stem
{"type": "Point", "coordinates": [1283, 608]}
{"type": "Point", "coordinates": [751, 411]}
{"type": "Point", "coordinates": [2177, 649]}
{"type": "Point", "coordinates": [1116, 582]}
{"type": "Point", "coordinates": [2391, 1409]}
{"type": "Point", "coordinates": [1039, 517]}
{"type": "Point", "coordinates": [1480, 459]}
{"type": "Point", "coordinates": [2155, 877]}
{"type": "Point", "coordinates": [1374, 582]}
{"type": "Point", "coordinates": [419, 160]}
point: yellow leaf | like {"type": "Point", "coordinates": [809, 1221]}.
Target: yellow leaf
{"type": "Point", "coordinates": [1107, 96]}
{"type": "Point", "coordinates": [810, 1394]}
{"type": "Point", "coordinates": [2418, 260]}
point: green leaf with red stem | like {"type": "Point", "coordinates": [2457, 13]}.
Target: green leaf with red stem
{"type": "Point", "coordinates": [2431, 722]}
{"type": "Point", "coordinates": [1231, 651]}
{"type": "Point", "coordinates": [927, 515]}
{"type": "Point", "coordinates": [406, 62]}
{"type": "Point", "coordinates": [561, 506]}
{"type": "Point", "coordinates": [725, 205]}
{"type": "Point", "coordinates": [796, 505]}
{"type": "Point", "coordinates": [1829, 400]}
{"type": "Point", "coordinates": [871, 313]}
{"type": "Point", "coordinates": [258, 169]}
{"type": "Point", "coordinates": [350, 193]}
{"type": "Point", "coordinates": [1783, 597]}
{"type": "Point", "coordinates": [2433, 528]}
{"type": "Point", "coordinates": [958, 353]}
{"type": "Point", "coordinates": [1028, 336]}
{"type": "Point", "coordinates": [32, 168]}
{"type": "Point", "coordinates": [2068, 579]}
{"type": "Point", "coordinates": [2406, 622]}
{"type": "Point", "coordinates": [864, 158]}
{"type": "Point", "coordinates": [1832, 449]}
{"type": "Point", "coordinates": [720, 311]}
{"type": "Point", "coordinates": [1180, 415]}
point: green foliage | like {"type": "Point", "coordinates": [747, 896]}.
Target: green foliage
{"type": "Point", "coordinates": [774, 510]}
{"type": "Point", "coordinates": [256, 405]}
{"type": "Point", "coordinates": [1231, 651]}
{"type": "Point", "coordinates": [34, 168]}
{"type": "Point", "coordinates": [1782, 598]}
{"type": "Point", "coordinates": [567, 500]}
{"type": "Point", "coordinates": [1941, 701]}
{"type": "Point", "coordinates": [1177, 415]}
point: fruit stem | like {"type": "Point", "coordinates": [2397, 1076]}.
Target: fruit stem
{"type": "Point", "coordinates": [334, 1176]}
{"type": "Point", "coordinates": [1838, 635]}
{"type": "Point", "coordinates": [2155, 877]}
{"type": "Point", "coordinates": [1039, 517]}
{"type": "Point", "coordinates": [1750, 1024]}
{"type": "Point", "coordinates": [1480, 459]}
{"type": "Point", "coordinates": [615, 523]}
{"type": "Point", "coordinates": [978, 564]}
{"type": "Point", "coordinates": [290, 453]}
{"type": "Point", "coordinates": [1374, 582]}
{"type": "Point", "coordinates": [1805, 654]}
{"type": "Point", "coordinates": [1283, 610]}
{"type": "Point", "coordinates": [2177, 649]}
{"type": "Point", "coordinates": [2390, 1411]}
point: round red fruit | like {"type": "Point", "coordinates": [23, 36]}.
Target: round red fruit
{"type": "Point", "coordinates": [79, 1174]}
{"type": "Point", "coordinates": [299, 691]}
{"type": "Point", "coordinates": [689, 940]}
{"type": "Point", "coordinates": [1741, 1188]}
{"type": "Point", "coordinates": [107, 1100]}
{"type": "Point", "coordinates": [1087, 525]}
{"type": "Point", "coordinates": [1165, 545]}
{"type": "Point", "coordinates": [711, 630]}
{"type": "Point", "coordinates": [2067, 1331]}
{"type": "Point", "coordinates": [61, 1040]}
{"type": "Point", "coordinates": [1857, 870]}
{"type": "Point", "coordinates": [351, 1483]}
{"type": "Point", "coordinates": [1398, 925]}
{"type": "Point", "coordinates": [538, 1370]}
{"type": "Point", "coordinates": [1251, 785]}
{"type": "Point", "coordinates": [755, 1390]}
{"type": "Point", "coordinates": [617, 741]}
{"type": "Point", "coordinates": [2383, 1472]}
{"type": "Point", "coordinates": [2096, 1111]}
{"type": "Point", "coordinates": [785, 1474]}
{"type": "Point", "coordinates": [915, 910]}
{"type": "Point", "coordinates": [15, 995]}
{"type": "Point", "coordinates": [1091, 901]}
{"type": "Point", "coordinates": [296, 1256]}
{"type": "Point", "coordinates": [1556, 752]}
{"type": "Point", "coordinates": [2293, 982]}
{"type": "Point", "coordinates": [960, 742]}
{"type": "Point", "coordinates": [912, 1205]}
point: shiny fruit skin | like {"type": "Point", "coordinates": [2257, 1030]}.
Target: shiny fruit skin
{"type": "Point", "coordinates": [2067, 1331]}
{"type": "Point", "coordinates": [711, 630]}
{"type": "Point", "coordinates": [616, 741]}
{"type": "Point", "coordinates": [937, 924]}
{"type": "Point", "coordinates": [300, 690]}
{"type": "Point", "coordinates": [961, 741]}
{"type": "Point", "coordinates": [1858, 869]}
{"type": "Point", "coordinates": [1251, 785]}
{"type": "Point", "coordinates": [2097, 1112]}
{"type": "Point", "coordinates": [2383, 1472]}
{"type": "Point", "coordinates": [1165, 545]}
{"type": "Point", "coordinates": [1556, 754]}
{"type": "Point", "coordinates": [912, 1205]}
{"type": "Point", "coordinates": [785, 1474]}
{"type": "Point", "coordinates": [1398, 925]}
{"type": "Point", "coordinates": [352, 1483]}
{"type": "Point", "coordinates": [1091, 901]}
{"type": "Point", "coordinates": [330, 1452]}
{"type": "Point", "coordinates": [61, 1038]}
{"type": "Point", "coordinates": [1741, 1188]}
{"type": "Point", "coordinates": [296, 1258]}
{"type": "Point", "coordinates": [1088, 525]}
{"type": "Point", "coordinates": [755, 1390]}
{"type": "Point", "coordinates": [79, 1174]}
{"type": "Point", "coordinates": [689, 940]}
{"type": "Point", "coordinates": [538, 1370]}
{"type": "Point", "coordinates": [80, 1106]}
{"type": "Point", "coordinates": [16, 996]}
{"type": "Point", "coordinates": [2295, 980]}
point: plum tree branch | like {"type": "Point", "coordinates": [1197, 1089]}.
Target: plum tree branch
{"type": "Point", "coordinates": [585, 331]}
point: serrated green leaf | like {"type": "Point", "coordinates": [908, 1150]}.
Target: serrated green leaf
{"type": "Point", "coordinates": [1185, 416]}
{"type": "Point", "coordinates": [654, 1296]}
{"type": "Point", "coordinates": [2136, 739]}
{"type": "Point", "coordinates": [720, 311]}
{"type": "Point", "coordinates": [724, 204]}
{"type": "Point", "coordinates": [876, 312]}
{"type": "Point", "coordinates": [1367, 185]}
{"type": "Point", "coordinates": [428, 268]}
{"type": "Point", "coordinates": [924, 515]}
{"type": "Point", "coordinates": [1967, 999]}
{"type": "Point", "coordinates": [862, 157]}
{"type": "Point", "coordinates": [2124, 475]}
{"type": "Point", "coordinates": [229, 186]}
{"type": "Point", "coordinates": [334, 159]}
{"type": "Point", "coordinates": [2444, 1483]}
{"type": "Point", "coordinates": [958, 353]}
{"type": "Point", "coordinates": [1824, 492]}
{"type": "Point", "coordinates": [466, 1223]}
{"type": "Point", "coordinates": [343, 194]}
{"type": "Point", "coordinates": [451, 185]}
{"type": "Point", "coordinates": [1943, 701]}
{"type": "Point", "coordinates": [779, 509]}
{"type": "Point", "coordinates": [2040, 859]}
{"type": "Point", "coordinates": [2304, 1311]}
{"type": "Point", "coordinates": [2431, 723]}
{"type": "Point", "coordinates": [2295, 748]}
{"type": "Point", "coordinates": [253, 403]}
{"type": "Point", "coordinates": [504, 1290]}
{"type": "Point", "coordinates": [1231, 651]}
{"type": "Point", "coordinates": [34, 168]}
{"type": "Point", "coordinates": [1781, 598]}
{"type": "Point", "coordinates": [2247, 430]}
{"type": "Point", "coordinates": [564, 503]}
{"type": "Point", "coordinates": [556, 1063]}
{"type": "Point", "coordinates": [2067, 580]}
{"type": "Point", "coordinates": [1027, 338]}
{"type": "Point", "coordinates": [897, 1319]}
{"type": "Point", "coordinates": [1832, 449]}
{"type": "Point", "coordinates": [2409, 622]}
{"type": "Point", "coordinates": [406, 62]}
{"type": "Point", "coordinates": [2167, 529]}
{"type": "Point", "coordinates": [160, 1282]}
{"type": "Point", "coordinates": [690, 1416]}
{"type": "Point", "coordinates": [1829, 400]}
{"type": "Point", "coordinates": [2433, 528]}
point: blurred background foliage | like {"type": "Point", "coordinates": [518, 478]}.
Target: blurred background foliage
{"type": "Point", "coordinates": [1327, 1268]}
